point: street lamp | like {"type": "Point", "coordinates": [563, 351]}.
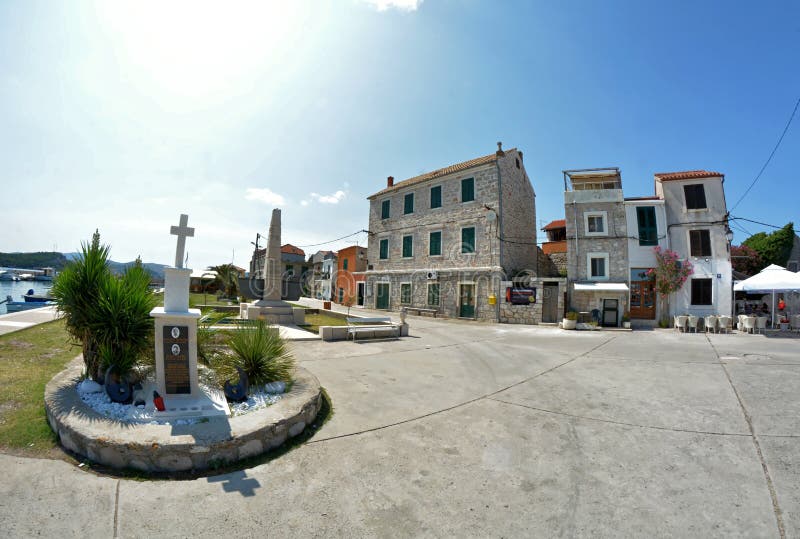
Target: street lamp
{"type": "Point", "coordinates": [205, 286]}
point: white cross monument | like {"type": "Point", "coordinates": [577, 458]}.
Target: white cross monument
{"type": "Point", "coordinates": [182, 231]}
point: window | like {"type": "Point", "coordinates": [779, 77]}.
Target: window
{"type": "Point", "coordinates": [341, 295]}
{"type": "Point", "coordinates": [468, 240]}
{"type": "Point", "coordinates": [597, 265]}
{"type": "Point", "coordinates": [467, 189]}
{"type": "Point", "coordinates": [435, 244]}
{"type": "Point", "coordinates": [384, 254]}
{"type": "Point", "coordinates": [695, 196]}
{"type": "Point", "coordinates": [289, 269]}
{"type": "Point", "coordinates": [433, 294]}
{"type": "Point", "coordinates": [436, 196]}
{"type": "Point", "coordinates": [405, 293]}
{"type": "Point", "coordinates": [699, 243]}
{"type": "Point", "coordinates": [408, 246]}
{"type": "Point", "coordinates": [701, 291]}
{"type": "Point", "coordinates": [595, 223]}
{"type": "Point", "coordinates": [385, 208]}
{"type": "Point", "coordinates": [648, 230]}
{"type": "Point", "coordinates": [408, 204]}
{"type": "Point", "coordinates": [344, 264]}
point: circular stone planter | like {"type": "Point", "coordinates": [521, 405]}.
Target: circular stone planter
{"type": "Point", "coordinates": [172, 448]}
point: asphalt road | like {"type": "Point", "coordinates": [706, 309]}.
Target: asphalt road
{"type": "Point", "coordinates": [468, 429]}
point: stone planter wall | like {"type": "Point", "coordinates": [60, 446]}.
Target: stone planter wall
{"type": "Point", "coordinates": [167, 448]}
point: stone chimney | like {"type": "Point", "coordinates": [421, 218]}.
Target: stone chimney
{"type": "Point", "coordinates": [390, 181]}
{"type": "Point", "coordinates": [500, 152]}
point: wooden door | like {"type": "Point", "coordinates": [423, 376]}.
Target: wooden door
{"type": "Point", "coordinates": [467, 301]}
{"type": "Point", "coordinates": [643, 300]}
{"type": "Point", "coordinates": [550, 303]}
{"type": "Point", "coordinates": [381, 295]}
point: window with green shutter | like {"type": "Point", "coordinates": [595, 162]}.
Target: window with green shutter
{"type": "Point", "coordinates": [405, 293]}
{"type": "Point", "coordinates": [433, 294]}
{"type": "Point", "coordinates": [408, 246]}
{"type": "Point", "coordinates": [384, 254]}
{"type": "Point", "coordinates": [648, 230]}
{"type": "Point", "coordinates": [385, 207]}
{"type": "Point", "coordinates": [467, 189]}
{"type": "Point", "coordinates": [436, 196]}
{"type": "Point", "coordinates": [435, 244]}
{"type": "Point", "coordinates": [408, 203]}
{"type": "Point", "coordinates": [344, 264]}
{"type": "Point", "coordinates": [468, 240]}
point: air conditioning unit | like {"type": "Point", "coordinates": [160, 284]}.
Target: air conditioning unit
{"type": "Point", "coordinates": [433, 275]}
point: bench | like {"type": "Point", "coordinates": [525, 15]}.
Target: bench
{"type": "Point", "coordinates": [420, 311]}
{"type": "Point", "coordinates": [374, 326]}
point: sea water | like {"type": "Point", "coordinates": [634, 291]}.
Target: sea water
{"type": "Point", "coordinates": [16, 289]}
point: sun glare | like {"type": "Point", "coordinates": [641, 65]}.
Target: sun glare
{"type": "Point", "coordinates": [197, 50]}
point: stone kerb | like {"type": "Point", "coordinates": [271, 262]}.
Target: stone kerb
{"type": "Point", "coordinates": [170, 448]}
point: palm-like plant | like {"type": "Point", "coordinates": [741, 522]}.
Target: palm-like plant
{"type": "Point", "coordinates": [261, 353]}
{"type": "Point", "coordinates": [227, 279]}
{"type": "Point", "coordinates": [77, 291]}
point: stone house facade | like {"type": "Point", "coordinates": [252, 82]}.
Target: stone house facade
{"type": "Point", "coordinates": [554, 261]}
{"type": "Point", "coordinates": [447, 239]}
{"type": "Point", "coordinates": [697, 225]}
{"type": "Point", "coordinates": [597, 237]}
{"type": "Point", "coordinates": [294, 270]}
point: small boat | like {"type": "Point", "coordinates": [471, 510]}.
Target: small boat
{"type": "Point", "coordinates": [8, 276]}
{"type": "Point", "coordinates": [26, 276]}
{"type": "Point", "coordinates": [30, 297]}
{"type": "Point", "coordinates": [17, 306]}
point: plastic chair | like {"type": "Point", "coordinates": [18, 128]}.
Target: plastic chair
{"type": "Point", "coordinates": [710, 323]}
{"type": "Point", "coordinates": [680, 322]}
{"type": "Point", "coordinates": [794, 322]}
{"type": "Point", "coordinates": [693, 322]}
{"type": "Point", "coordinates": [761, 324]}
{"type": "Point", "coordinates": [725, 323]}
{"type": "Point", "coordinates": [740, 322]}
{"type": "Point", "coordinates": [749, 324]}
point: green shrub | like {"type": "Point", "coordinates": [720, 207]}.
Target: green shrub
{"type": "Point", "coordinates": [260, 352]}
{"type": "Point", "coordinates": [572, 315]}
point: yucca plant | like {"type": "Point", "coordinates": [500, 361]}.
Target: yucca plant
{"type": "Point", "coordinates": [260, 352]}
{"type": "Point", "coordinates": [207, 335]}
{"type": "Point", "coordinates": [77, 291]}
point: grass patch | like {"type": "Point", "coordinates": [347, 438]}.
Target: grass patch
{"type": "Point", "coordinates": [28, 360]}
{"type": "Point", "coordinates": [314, 321]}
{"type": "Point", "coordinates": [198, 298]}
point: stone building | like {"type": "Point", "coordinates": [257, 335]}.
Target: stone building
{"type": "Point", "coordinates": [295, 270]}
{"type": "Point", "coordinates": [597, 250]}
{"type": "Point", "coordinates": [447, 240]}
{"type": "Point", "coordinates": [554, 249]}
{"type": "Point", "coordinates": [697, 229]}
{"type": "Point", "coordinates": [323, 275]}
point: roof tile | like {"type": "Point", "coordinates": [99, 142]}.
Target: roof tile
{"type": "Point", "coordinates": [686, 175]}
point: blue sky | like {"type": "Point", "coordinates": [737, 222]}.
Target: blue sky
{"type": "Point", "coordinates": [122, 116]}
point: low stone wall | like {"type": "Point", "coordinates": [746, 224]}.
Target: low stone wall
{"type": "Point", "coordinates": [167, 448]}
{"type": "Point", "coordinates": [531, 314]}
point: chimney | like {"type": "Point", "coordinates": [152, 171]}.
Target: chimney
{"type": "Point", "coordinates": [390, 181]}
{"type": "Point", "coordinates": [500, 152]}
{"type": "Point", "coordinates": [520, 155]}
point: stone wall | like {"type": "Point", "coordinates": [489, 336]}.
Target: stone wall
{"type": "Point", "coordinates": [530, 314]}
{"type": "Point", "coordinates": [552, 265]}
{"type": "Point", "coordinates": [518, 216]}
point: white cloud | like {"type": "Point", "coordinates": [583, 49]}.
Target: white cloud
{"type": "Point", "coordinates": [265, 195]}
{"type": "Point", "coordinates": [304, 202]}
{"type": "Point", "coordinates": [402, 5]}
{"type": "Point", "coordinates": [329, 199]}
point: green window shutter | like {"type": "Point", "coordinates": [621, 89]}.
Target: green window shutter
{"type": "Point", "coordinates": [405, 293]}
{"type": "Point", "coordinates": [435, 244]}
{"type": "Point", "coordinates": [384, 255]}
{"type": "Point", "coordinates": [648, 230]}
{"type": "Point", "coordinates": [408, 203]}
{"type": "Point", "coordinates": [468, 240]}
{"type": "Point", "coordinates": [433, 294]}
{"type": "Point", "coordinates": [436, 196]}
{"type": "Point", "coordinates": [408, 246]}
{"type": "Point", "coordinates": [344, 264]}
{"type": "Point", "coordinates": [385, 208]}
{"type": "Point", "coordinates": [467, 189]}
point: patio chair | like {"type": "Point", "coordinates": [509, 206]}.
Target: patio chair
{"type": "Point", "coordinates": [680, 322]}
{"type": "Point", "coordinates": [740, 322]}
{"type": "Point", "coordinates": [749, 324]}
{"type": "Point", "coordinates": [761, 324]}
{"type": "Point", "coordinates": [693, 320]}
{"type": "Point", "coordinates": [795, 322]}
{"type": "Point", "coordinates": [725, 323]}
{"type": "Point", "coordinates": [710, 323]}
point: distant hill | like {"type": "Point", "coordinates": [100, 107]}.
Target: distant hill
{"type": "Point", "coordinates": [59, 260]}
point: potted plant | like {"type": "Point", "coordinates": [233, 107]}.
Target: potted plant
{"type": "Point", "coordinates": [626, 320]}
{"type": "Point", "coordinates": [570, 320]}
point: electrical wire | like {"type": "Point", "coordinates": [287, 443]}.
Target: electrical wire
{"type": "Point", "coordinates": [785, 129]}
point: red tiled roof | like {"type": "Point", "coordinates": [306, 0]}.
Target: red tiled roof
{"type": "Point", "coordinates": [553, 225]}
{"type": "Point", "coordinates": [458, 167]}
{"type": "Point", "coordinates": [686, 175]}
{"type": "Point", "coordinates": [290, 249]}
{"type": "Point", "coordinates": [550, 247]}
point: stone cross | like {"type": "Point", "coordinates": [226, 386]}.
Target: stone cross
{"type": "Point", "coordinates": [182, 231]}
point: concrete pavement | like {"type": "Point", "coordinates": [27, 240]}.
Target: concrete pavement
{"type": "Point", "coordinates": [11, 322]}
{"type": "Point", "coordinates": [468, 429]}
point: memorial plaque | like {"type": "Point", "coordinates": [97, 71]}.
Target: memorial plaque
{"type": "Point", "coordinates": [176, 359]}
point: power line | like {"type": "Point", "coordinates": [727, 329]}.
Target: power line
{"type": "Point", "coordinates": [756, 222]}
{"type": "Point", "coordinates": [333, 241]}
{"type": "Point", "coordinates": [785, 129]}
